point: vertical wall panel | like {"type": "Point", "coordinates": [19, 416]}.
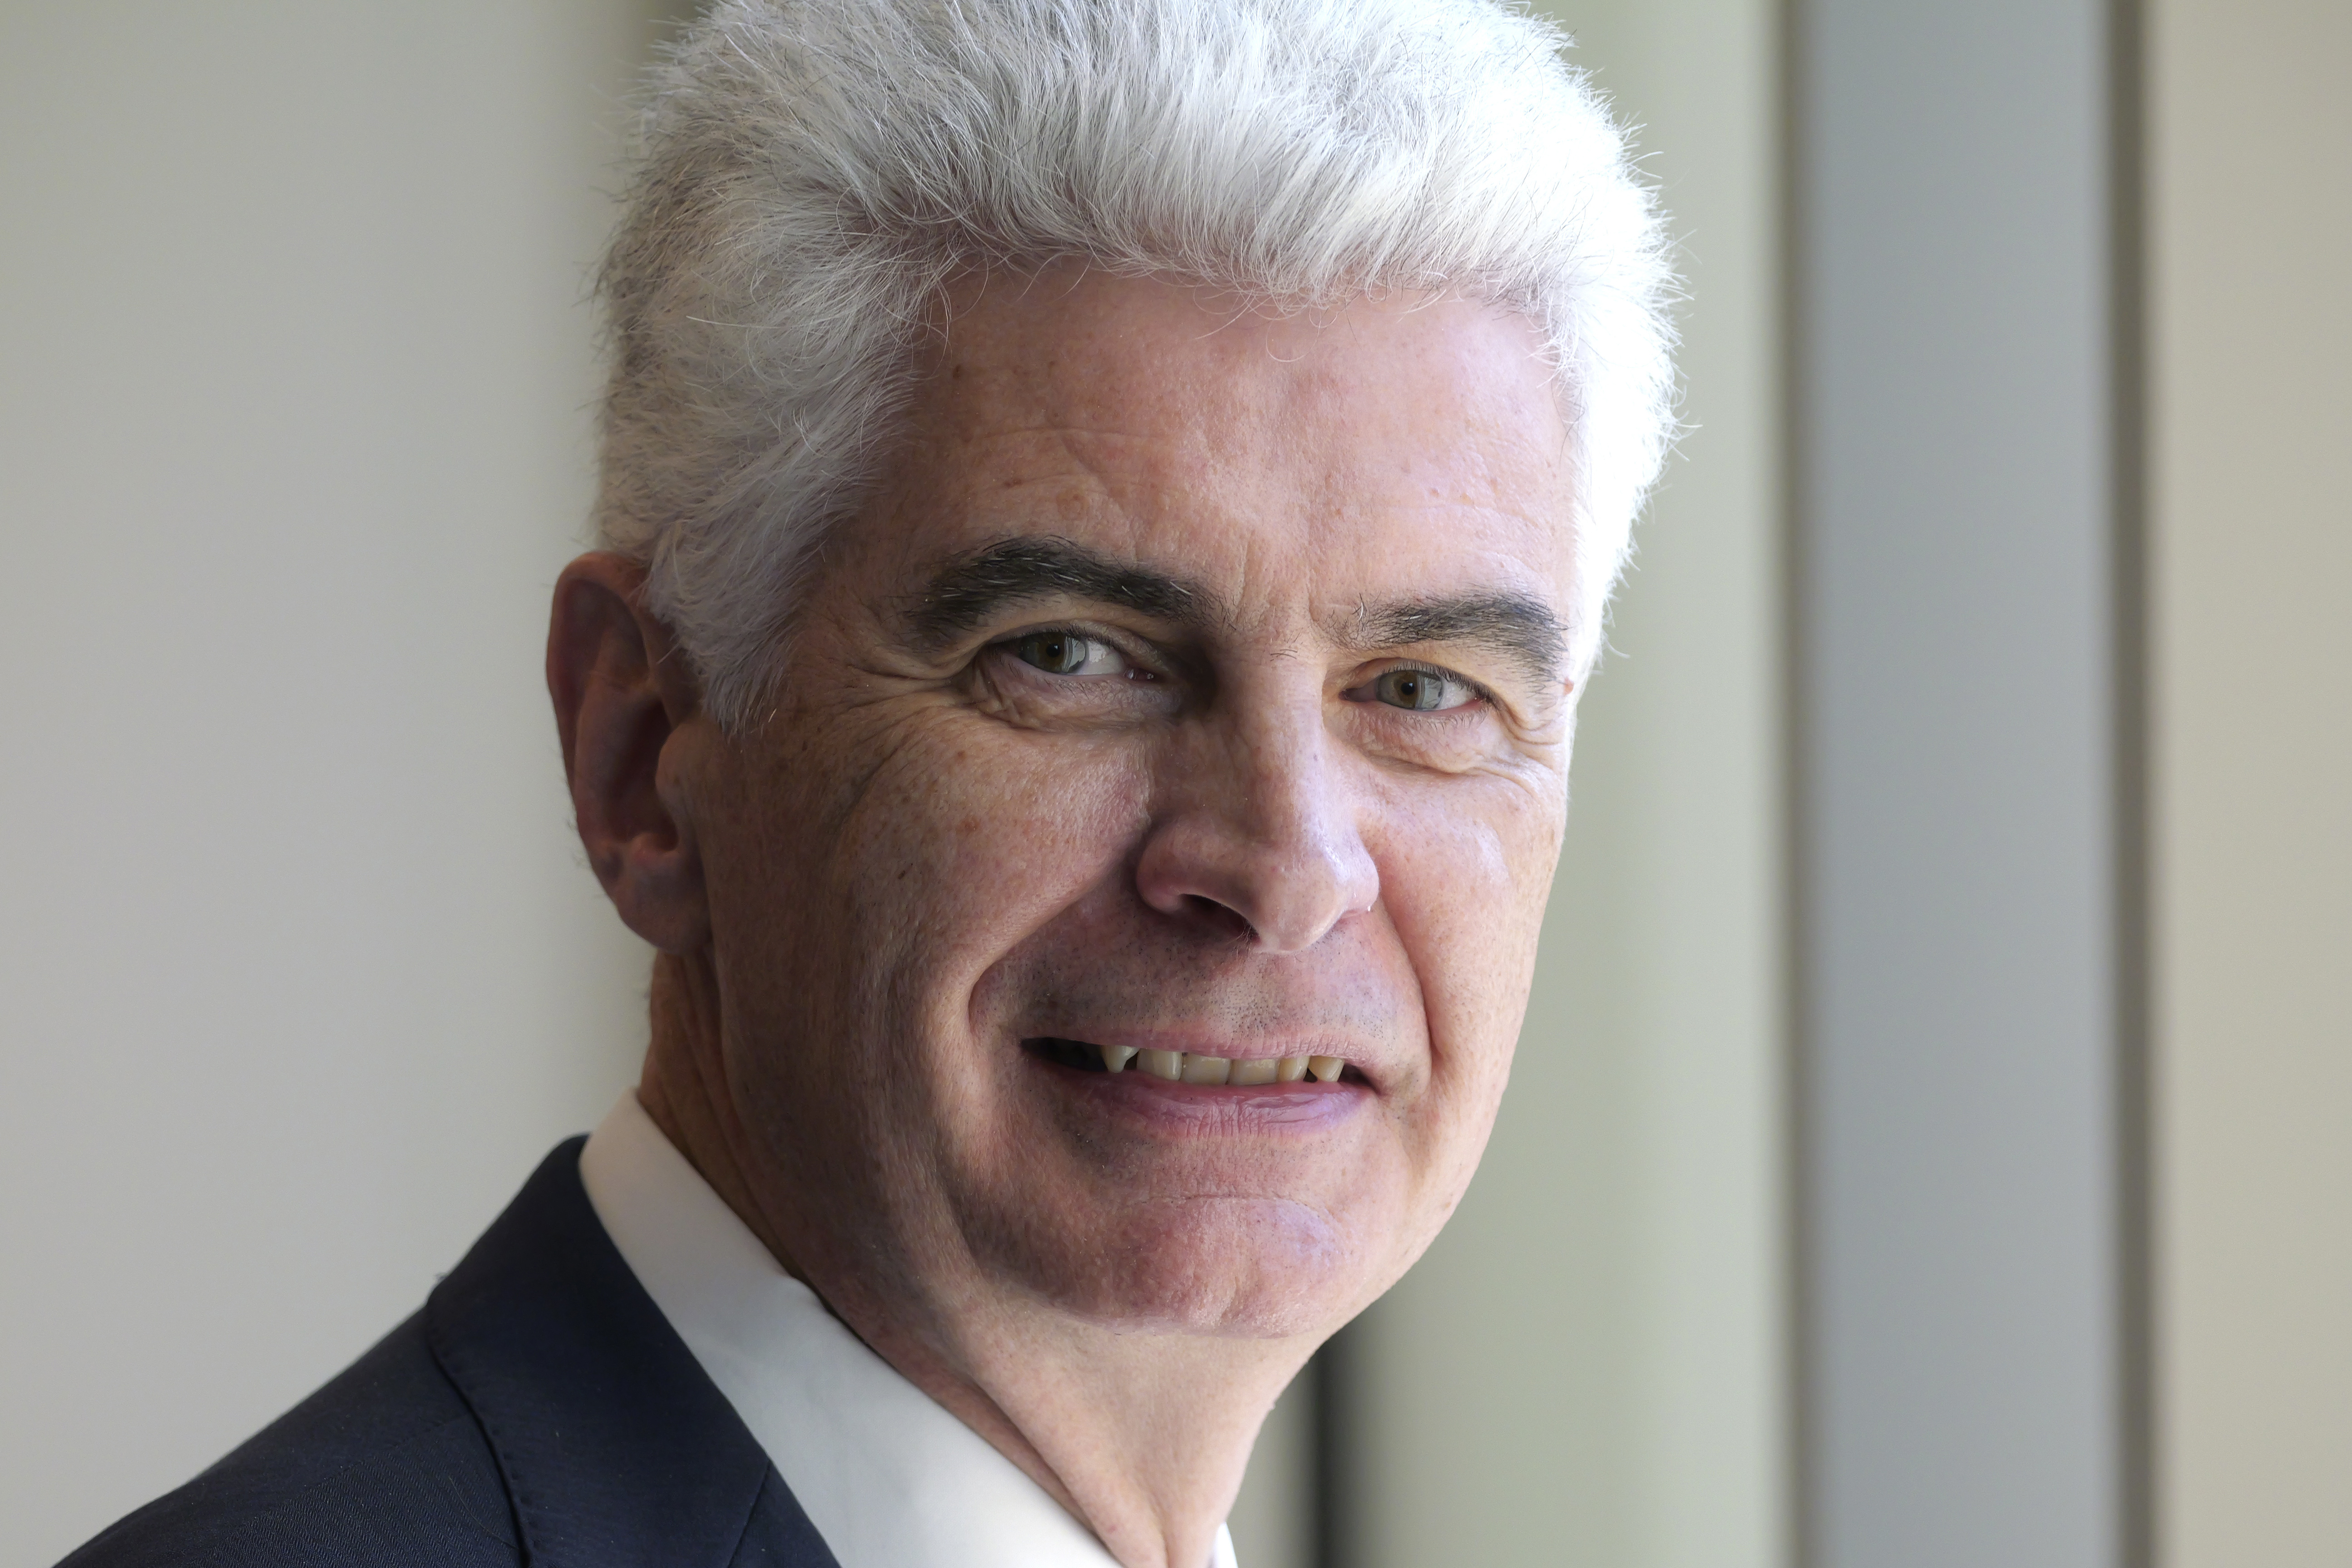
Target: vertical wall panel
{"type": "Point", "coordinates": [2251, 191]}
{"type": "Point", "coordinates": [1956, 790]}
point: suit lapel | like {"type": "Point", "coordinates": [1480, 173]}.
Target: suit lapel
{"type": "Point", "coordinates": [616, 1448]}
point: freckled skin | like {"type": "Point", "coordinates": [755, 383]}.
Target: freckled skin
{"type": "Point", "coordinates": [925, 855]}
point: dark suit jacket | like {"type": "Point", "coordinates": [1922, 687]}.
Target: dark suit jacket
{"type": "Point", "coordinates": [539, 1410]}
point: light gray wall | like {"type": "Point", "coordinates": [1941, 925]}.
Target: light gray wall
{"type": "Point", "coordinates": [1588, 1367]}
{"type": "Point", "coordinates": [299, 971]}
{"type": "Point", "coordinates": [1956, 698]}
{"type": "Point", "coordinates": [2250, 323]}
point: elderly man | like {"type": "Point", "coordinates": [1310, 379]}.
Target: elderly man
{"type": "Point", "coordinates": [1108, 505]}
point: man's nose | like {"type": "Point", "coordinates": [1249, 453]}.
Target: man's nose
{"type": "Point", "coordinates": [1261, 827]}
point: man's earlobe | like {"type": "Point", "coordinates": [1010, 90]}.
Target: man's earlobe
{"type": "Point", "coordinates": [624, 703]}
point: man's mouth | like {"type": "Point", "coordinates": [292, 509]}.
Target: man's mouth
{"type": "Point", "coordinates": [1190, 1067]}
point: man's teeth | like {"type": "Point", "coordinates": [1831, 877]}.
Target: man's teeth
{"type": "Point", "coordinates": [1207, 1069]}
{"type": "Point", "coordinates": [1184, 1066]}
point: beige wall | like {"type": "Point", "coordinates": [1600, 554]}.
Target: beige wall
{"type": "Point", "coordinates": [300, 970]}
{"type": "Point", "coordinates": [1588, 1367]}
{"type": "Point", "coordinates": [2250, 328]}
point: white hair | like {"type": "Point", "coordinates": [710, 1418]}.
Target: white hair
{"type": "Point", "coordinates": [815, 172]}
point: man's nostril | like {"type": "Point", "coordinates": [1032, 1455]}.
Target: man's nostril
{"type": "Point", "coordinates": [1222, 918]}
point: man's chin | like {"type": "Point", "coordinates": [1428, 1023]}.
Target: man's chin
{"type": "Point", "coordinates": [1240, 1267]}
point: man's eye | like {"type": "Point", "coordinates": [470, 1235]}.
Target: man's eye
{"type": "Point", "coordinates": [1068, 653]}
{"type": "Point", "coordinates": [1422, 691]}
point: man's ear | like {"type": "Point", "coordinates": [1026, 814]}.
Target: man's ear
{"type": "Point", "coordinates": [624, 700]}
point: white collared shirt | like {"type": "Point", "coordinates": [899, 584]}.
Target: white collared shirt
{"type": "Point", "coordinates": [889, 1477]}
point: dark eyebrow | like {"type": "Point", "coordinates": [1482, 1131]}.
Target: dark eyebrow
{"type": "Point", "coordinates": [970, 591]}
{"type": "Point", "coordinates": [1514, 624]}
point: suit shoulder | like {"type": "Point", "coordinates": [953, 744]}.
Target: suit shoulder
{"type": "Point", "coordinates": [385, 1467]}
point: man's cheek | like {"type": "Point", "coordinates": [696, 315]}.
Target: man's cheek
{"type": "Point", "coordinates": [1454, 887]}
{"type": "Point", "coordinates": [1468, 926]}
{"type": "Point", "coordinates": [1000, 833]}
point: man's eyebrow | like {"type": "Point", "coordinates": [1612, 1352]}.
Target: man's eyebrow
{"type": "Point", "coordinates": [1518, 625]}
{"type": "Point", "coordinates": [970, 591]}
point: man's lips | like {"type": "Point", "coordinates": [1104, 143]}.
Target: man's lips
{"type": "Point", "coordinates": [1194, 1067]}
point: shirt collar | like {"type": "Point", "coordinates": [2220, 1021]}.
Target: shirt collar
{"type": "Point", "coordinates": [890, 1477]}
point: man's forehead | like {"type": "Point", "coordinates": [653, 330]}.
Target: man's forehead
{"type": "Point", "coordinates": [1332, 467]}
{"type": "Point", "coordinates": [1144, 370]}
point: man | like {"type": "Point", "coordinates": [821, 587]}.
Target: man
{"type": "Point", "coordinates": [1107, 509]}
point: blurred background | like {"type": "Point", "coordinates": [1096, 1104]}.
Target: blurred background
{"type": "Point", "coordinates": [1931, 1144]}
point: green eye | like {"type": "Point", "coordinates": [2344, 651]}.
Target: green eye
{"type": "Point", "coordinates": [1067, 654]}
{"type": "Point", "coordinates": [1422, 691]}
